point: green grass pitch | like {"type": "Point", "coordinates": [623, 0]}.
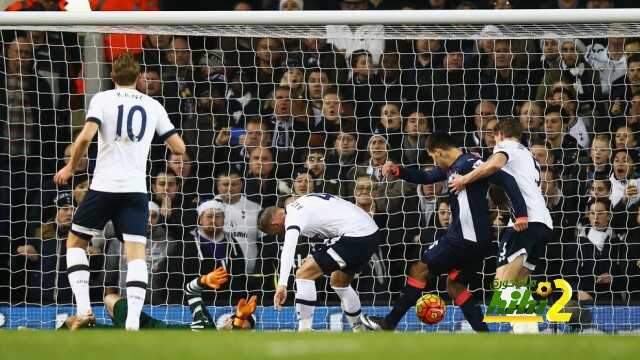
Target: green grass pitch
{"type": "Point", "coordinates": [182, 345]}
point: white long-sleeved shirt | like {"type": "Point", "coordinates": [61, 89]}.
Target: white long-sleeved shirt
{"type": "Point", "coordinates": [321, 216]}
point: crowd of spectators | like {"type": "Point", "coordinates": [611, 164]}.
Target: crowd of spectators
{"type": "Point", "coordinates": [269, 119]}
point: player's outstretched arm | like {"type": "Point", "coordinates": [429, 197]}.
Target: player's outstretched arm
{"type": "Point", "coordinates": [394, 171]}
{"type": "Point", "coordinates": [176, 144]}
{"type": "Point", "coordinates": [496, 162]}
{"type": "Point", "coordinates": [78, 150]}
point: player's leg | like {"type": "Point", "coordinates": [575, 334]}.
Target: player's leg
{"type": "Point", "coordinates": [131, 223]}
{"type": "Point", "coordinates": [341, 258]}
{"type": "Point", "coordinates": [516, 272]}
{"type": "Point", "coordinates": [89, 220]}
{"type": "Point", "coordinates": [416, 283]}
{"type": "Point", "coordinates": [349, 299]}
{"type": "Point", "coordinates": [110, 300]}
{"type": "Point", "coordinates": [78, 273]}
{"type": "Point", "coordinates": [200, 317]}
{"type": "Point", "coordinates": [519, 255]}
{"type": "Point", "coordinates": [137, 276]}
{"type": "Point", "coordinates": [306, 295]}
{"type": "Point", "coordinates": [463, 298]}
{"type": "Point", "coordinates": [117, 308]}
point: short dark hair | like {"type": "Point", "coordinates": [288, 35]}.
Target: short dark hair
{"type": "Point", "coordinates": [356, 54]}
{"type": "Point", "coordinates": [564, 116]}
{"type": "Point", "coordinates": [440, 140]}
{"type": "Point", "coordinates": [257, 120]}
{"type": "Point", "coordinates": [633, 58]}
{"type": "Point", "coordinates": [228, 172]}
{"type": "Point", "coordinates": [631, 154]}
{"type": "Point", "coordinates": [539, 142]}
{"type": "Point", "coordinates": [509, 127]}
{"type": "Point", "coordinates": [603, 200]}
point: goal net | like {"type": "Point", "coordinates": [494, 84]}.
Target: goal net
{"type": "Point", "coordinates": [272, 112]}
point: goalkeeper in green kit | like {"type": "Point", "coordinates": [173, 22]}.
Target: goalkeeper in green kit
{"type": "Point", "coordinates": [116, 306]}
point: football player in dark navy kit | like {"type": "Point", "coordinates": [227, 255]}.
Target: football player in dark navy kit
{"type": "Point", "coordinates": [461, 250]}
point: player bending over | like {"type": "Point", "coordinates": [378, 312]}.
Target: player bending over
{"type": "Point", "coordinates": [125, 120]}
{"type": "Point", "coordinates": [461, 250]}
{"type": "Point", "coordinates": [351, 238]}
{"type": "Point", "coordinates": [519, 252]}
{"type": "Point", "coordinates": [116, 307]}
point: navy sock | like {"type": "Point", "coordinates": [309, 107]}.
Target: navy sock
{"type": "Point", "coordinates": [472, 311]}
{"type": "Point", "coordinates": [410, 294]}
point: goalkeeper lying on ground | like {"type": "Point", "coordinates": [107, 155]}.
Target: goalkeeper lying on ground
{"type": "Point", "coordinates": [116, 306]}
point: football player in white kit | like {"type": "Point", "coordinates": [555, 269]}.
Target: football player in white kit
{"type": "Point", "coordinates": [125, 120]}
{"type": "Point", "coordinates": [351, 237]}
{"type": "Point", "coordinates": [519, 252]}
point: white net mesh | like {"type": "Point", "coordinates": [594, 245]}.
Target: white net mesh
{"type": "Point", "coordinates": [273, 112]}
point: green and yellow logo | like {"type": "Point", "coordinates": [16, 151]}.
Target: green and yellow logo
{"type": "Point", "coordinates": [523, 307]}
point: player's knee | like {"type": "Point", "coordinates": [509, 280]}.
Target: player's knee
{"type": "Point", "coordinates": [419, 271]}
{"type": "Point", "coordinates": [302, 273]}
{"type": "Point", "coordinates": [134, 250]}
{"type": "Point", "coordinates": [512, 271]}
{"type": "Point", "coordinates": [75, 241]}
{"type": "Point", "coordinates": [340, 279]}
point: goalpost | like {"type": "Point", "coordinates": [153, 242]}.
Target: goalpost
{"type": "Point", "coordinates": [221, 76]}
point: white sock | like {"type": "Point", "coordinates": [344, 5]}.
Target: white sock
{"type": "Point", "coordinates": [136, 291]}
{"type": "Point", "coordinates": [520, 327]}
{"type": "Point", "coordinates": [78, 273]}
{"type": "Point", "coordinates": [350, 302]}
{"type": "Point", "coordinates": [305, 303]}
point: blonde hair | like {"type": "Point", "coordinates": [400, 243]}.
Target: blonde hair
{"type": "Point", "coordinates": [265, 216]}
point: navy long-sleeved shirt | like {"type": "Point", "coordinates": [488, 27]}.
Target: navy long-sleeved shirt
{"type": "Point", "coordinates": [469, 208]}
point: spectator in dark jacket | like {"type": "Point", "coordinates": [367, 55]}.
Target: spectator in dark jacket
{"type": "Point", "coordinates": [564, 215]}
{"type": "Point", "coordinates": [596, 258]}
{"type": "Point", "coordinates": [43, 257]}
{"type": "Point", "coordinates": [622, 92]}
{"type": "Point", "coordinates": [261, 186]}
{"type": "Point", "coordinates": [576, 71]}
{"type": "Point", "coordinates": [454, 90]}
{"type": "Point", "coordinates": [176, 208]}
{"type": "Point", "coordinates": [632, 241]}
{"type": "Point", "coordinates": [505, 84]}
{"type": "Point", "coordinates": [565, 147]}
{"type": "Point", "coordinates": [178, 81]}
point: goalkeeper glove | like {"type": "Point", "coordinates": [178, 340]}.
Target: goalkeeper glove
{"type": "Point", "coordinates": [215, 279]}
{"type": "Point", "coordinates": [244, 310]}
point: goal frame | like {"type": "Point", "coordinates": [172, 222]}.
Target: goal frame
{"type": "Point", "coordinates": [333, 17]}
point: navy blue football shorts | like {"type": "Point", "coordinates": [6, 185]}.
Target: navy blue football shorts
{"type": "Point", "coordinates": [349, 254]}
{"type": "Point", "coordinates": [129, 213]}
{"type": "Point", "coordinates": [462, 260]}
{"type": "Point", "coordinates": [530, 243]}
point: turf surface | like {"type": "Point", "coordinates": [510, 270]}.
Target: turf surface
{"type": "Point", "coordinates": [182, 345]}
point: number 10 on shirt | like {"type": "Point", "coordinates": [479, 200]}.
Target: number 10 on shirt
{"type": "Point", "coordinates": [131, 114]}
